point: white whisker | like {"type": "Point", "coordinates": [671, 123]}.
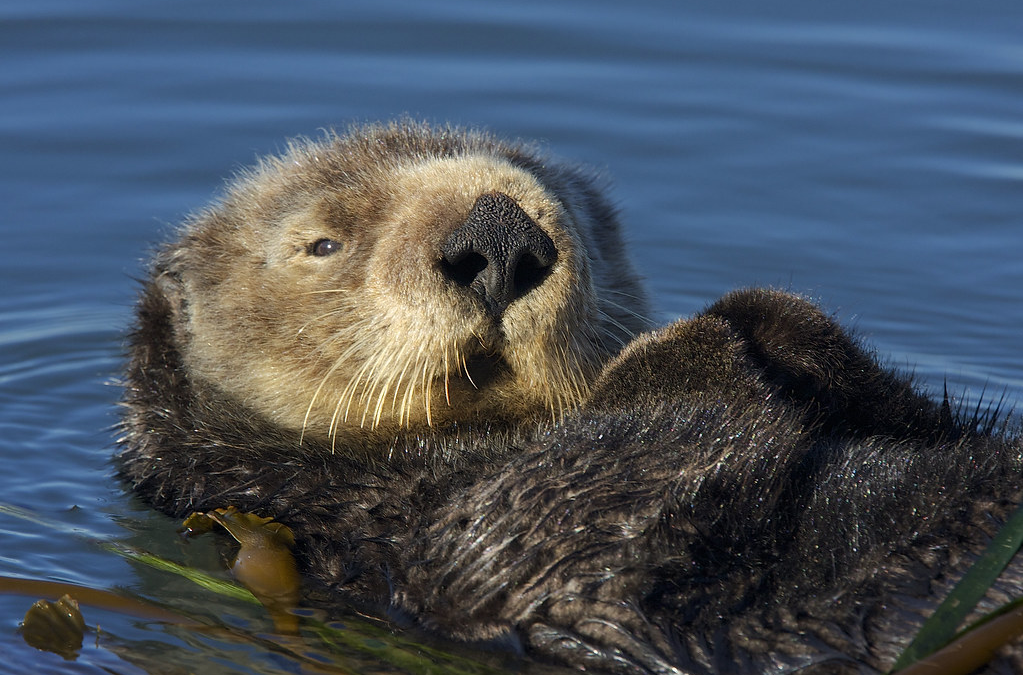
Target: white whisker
{"type": "Point", "coordinates": [397, 385]}
{"type": "Point", "coordinates": [427, 393]}
{"type": "Point", "coordinates": [610, 320]}
{"type": "Point", "coordinates": [385, 386]}
{"type": "Point", "coordinates": [332, 312]}
{"type": "Point", "coordinates": [614, 322]}
{"type": "Point", "coordinates": [406, 401]}
{"type": "Point", "coordinates": [338, 363]}
{"type": "Point", "coordinates": [626, 310]}
{"type": "Point", "coordinates": [631, 296]}
{"type": "Point", "coordinates": [465, 367]}
{"type": "Point", "coordinates": [447, 377]}
{"type": "Point", "coordinates": [350, 390]}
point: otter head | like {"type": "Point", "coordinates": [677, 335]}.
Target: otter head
{"type": "Point", "coordinates": [401, 276]}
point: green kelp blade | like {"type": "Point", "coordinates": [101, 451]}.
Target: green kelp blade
{"type": "Point", "coordinates": [197, 577]}
{"type": "Point", "coordinates": [942, 626]}
{"type": "Point", "coordinates": [975, 645]}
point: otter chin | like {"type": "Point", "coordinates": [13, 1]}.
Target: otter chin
{"type": "Point", "coordinates": [425, 351]}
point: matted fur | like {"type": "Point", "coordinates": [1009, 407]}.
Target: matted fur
{"type": "Point", "coordinates": [744, 491]}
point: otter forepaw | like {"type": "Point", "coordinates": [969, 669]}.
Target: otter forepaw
{"type": "Point", "coordinates": [689, 358]}
{"type": "Point", "coordinates": [819, 367]}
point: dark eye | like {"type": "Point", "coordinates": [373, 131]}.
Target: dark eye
{"type": "Point", "coordinates": [324, 247]}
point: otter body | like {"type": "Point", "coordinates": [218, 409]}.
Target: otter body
{"type": "Point", "coordinates": [425, 352]}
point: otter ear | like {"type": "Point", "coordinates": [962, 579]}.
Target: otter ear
{"type": "Point", "coordinates": [167, 281]}
{"type": "Point", "coordinates": [158, 312]}
{"type": "Point", "coordinates": [162, 304]}
{"type": "Point", "coordinates": [169, 285]}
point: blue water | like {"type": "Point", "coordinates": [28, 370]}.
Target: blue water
{"type": "Point", "coordinates": [869, 154]}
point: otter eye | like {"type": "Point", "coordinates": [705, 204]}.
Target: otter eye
{"type": "Point", "coordinates": [324, 247]}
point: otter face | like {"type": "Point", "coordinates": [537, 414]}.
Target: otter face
{"type": "Point", "coordinates": [401, 277]}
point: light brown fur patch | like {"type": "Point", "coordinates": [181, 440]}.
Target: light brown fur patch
{"type": "Point", "coordinates": [375, 336]}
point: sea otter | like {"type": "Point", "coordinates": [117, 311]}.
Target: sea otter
{"type": "Point", "coordinates": [425, 351]}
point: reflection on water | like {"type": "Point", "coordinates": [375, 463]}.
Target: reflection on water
{"type": "Point", "coordinates": [869, 158]}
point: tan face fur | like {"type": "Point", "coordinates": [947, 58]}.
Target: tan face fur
{"type": "Point", "coordinates": [376, 335]}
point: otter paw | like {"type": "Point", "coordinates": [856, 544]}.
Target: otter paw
{"type": "Point", "coordinates": [700, 357]}
{"type": "Point", "coordinates": [819, 367]}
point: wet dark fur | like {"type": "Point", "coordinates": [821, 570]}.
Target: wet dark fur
{"type": "Point", "coordinates": [744, 491]}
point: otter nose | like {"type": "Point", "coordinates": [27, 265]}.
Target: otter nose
{"type": "Point", "coordinates": [499, 252]}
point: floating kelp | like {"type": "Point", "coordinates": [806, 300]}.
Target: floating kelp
{"type": "Point", "coordinates": [351, 644]}
{"type": "Point", "coordinates": [976, 644]}
{"type": "Point", "coordinates": [264, 563]}
{"type": "Point", "coordinates": [56, 627]}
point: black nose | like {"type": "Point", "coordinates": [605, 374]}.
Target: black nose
{"type": "Point", "coordinates": [499, 252]}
